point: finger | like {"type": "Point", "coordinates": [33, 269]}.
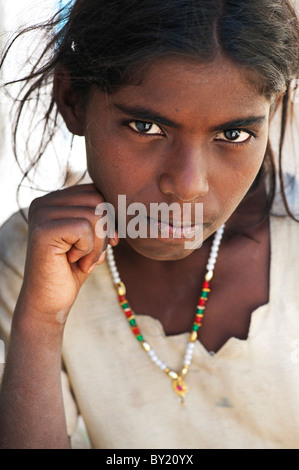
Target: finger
{"type": "Point", "coordinates": [44, 212]}
{"type": "Point", "coordinates": [86, 260]}
{"type": "Point", "coordinates": [54, 212]}
{"type": "Point", "coordinates": [81, 195]}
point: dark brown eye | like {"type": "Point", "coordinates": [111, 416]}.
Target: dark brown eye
{"type": "Point", "coordinates": [232, 134]}
{"type": "Point", "coordinates": [144, 127]}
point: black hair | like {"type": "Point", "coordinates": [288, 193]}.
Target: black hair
{"type": "Point", "coordinates": [107, 42]}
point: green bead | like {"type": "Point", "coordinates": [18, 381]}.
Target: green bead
{"type": "Point", "coordinates": [132, 322]}
{"type": "Point", "coordinates": [139, 337]}
{"type": "Point", "coordinates": [199, 309]}
{"type": "Point", "coordinates": [204, 294]}
{"type": "Point", "coordinates": [195, 327]}
{"type": "Point", "coordinates": [125, 305]}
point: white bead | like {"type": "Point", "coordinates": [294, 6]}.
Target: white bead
{"type": "Point", "coordinates": [188, 356]}
{"type": "Point", "coordinates": [187, 362]}
{"type": "Point", "coordinates": [188, 353]}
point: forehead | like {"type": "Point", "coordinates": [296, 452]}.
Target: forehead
{"type": "Point", "coordinates": [184, 88]}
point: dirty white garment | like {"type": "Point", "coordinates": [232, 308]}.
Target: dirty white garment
{"type": "Point", "coordinates": [246, 396]}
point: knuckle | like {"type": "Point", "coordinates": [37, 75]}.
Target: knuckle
{"type": "Point", "coordinates": [38, 232]}
{"type": "Point", "coordinates": [85, 226]}
{"type": "Point", "coordinates": [35, 204]}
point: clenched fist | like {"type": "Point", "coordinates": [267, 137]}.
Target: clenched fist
{"type": "Point", "coordinates": [63, 249]}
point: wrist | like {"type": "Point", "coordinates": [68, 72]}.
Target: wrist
{"type": "Point", "coordinates": [37, 330]}
{"type": "Point", "coordinates": [31, 308]}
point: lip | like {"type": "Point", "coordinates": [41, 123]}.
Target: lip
{"type": "Point", "coordinates": [173, 229]}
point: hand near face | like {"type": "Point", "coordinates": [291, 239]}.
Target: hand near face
{"type": "Point", "coordinates": [63, 250]}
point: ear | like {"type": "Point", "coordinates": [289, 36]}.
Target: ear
{"type": "Point", "coordinates": [68, 102]}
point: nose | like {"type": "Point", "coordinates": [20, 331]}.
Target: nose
{"type": "Point", "coordinates": [185, 174]}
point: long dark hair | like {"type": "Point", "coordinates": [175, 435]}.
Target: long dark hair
{"type": "Point", "coordinates": [108, 43]}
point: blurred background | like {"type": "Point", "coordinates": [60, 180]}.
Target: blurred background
{"type": "Point", "coordinates": [16, 14]}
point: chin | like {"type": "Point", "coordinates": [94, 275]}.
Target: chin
{"type": "Point", "coordinates": [166, 250]}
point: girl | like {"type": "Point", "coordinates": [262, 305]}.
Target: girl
{"type": "Point", "coordinates": [174, 100]}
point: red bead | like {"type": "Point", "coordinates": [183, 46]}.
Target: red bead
{"type": "Point", "coordinates": [198, 319]}
{"type": "Point", "coordinates": [128, 313]}
{"type": "Point", "coordinates": [121, 298]}
{"type": "Point", "coordinates": [136, 330]}
{"type": "Point", "coordinates": [202, 302]}
{"type": "Point", "coordinates": [206, 285]}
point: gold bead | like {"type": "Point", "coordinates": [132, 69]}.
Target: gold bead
{"type": "Point", "coordinates": [209, 275]}
{"type": "Point", "coordinates": [146, 346]}
{"type": "Point", "coordinates": [184, 370]}
{"type": "Point", "coordinates": [193, 336]}
{"type": "Point", "coordinates": [166, 370]}
{"type": "Point", "coordinates": [172, 374]}
{"type": "Point", "coordinates": [121, 288]}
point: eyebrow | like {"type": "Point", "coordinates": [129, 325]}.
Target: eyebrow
{"type": "Point", "coordinates": [139, 112]}
{"type": "Point", "coordinates": [241, 122]}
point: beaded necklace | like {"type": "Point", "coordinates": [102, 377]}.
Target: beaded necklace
{"type": "Point", "coordinates": [178, 378]}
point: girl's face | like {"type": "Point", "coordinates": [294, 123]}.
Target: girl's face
{"type": "Point", "coordinates": [187, 133]}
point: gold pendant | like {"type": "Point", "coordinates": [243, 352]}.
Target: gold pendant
{"type": "Point", "coordinates": [180, 387]}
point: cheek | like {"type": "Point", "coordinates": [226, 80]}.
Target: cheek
{"type": "Point", "coordinates": [237, 175]}
{"type": "Point", "coordinates": [248, 165]}
{"type": "Point", "coordinates": [112, 170]}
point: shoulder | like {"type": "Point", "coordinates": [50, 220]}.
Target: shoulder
{"type": "Point", "coordinates": [285, 235]}
{"type": "Point", "coordinates": [13, 241]}
{"type": "Point", "coordinates": [285, 251]}
{"type": "Point", "coordinates": [291, 188]}
{"type": "Point", "coordinates": [285, 226]}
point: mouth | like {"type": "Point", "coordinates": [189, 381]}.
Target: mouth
{"type": "Point", "coordinates": [173, 229]}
